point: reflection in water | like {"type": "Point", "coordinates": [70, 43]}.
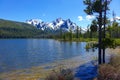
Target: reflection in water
{"type": "Point", "coordinates": [25, 53]}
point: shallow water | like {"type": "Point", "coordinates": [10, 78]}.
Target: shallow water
{"type": "Point", "coordinates": [34, 58]}
{"type": "Point", "coordinates": [18, 54]}
{"type": "Point", "coordinates": [78, 64]}
{"type": "Point", "coordinates": [87, 71]}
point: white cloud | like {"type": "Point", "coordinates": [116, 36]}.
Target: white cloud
{"type": "Point", "coordinates": [80, 18]}
{"type": "Point", "coordinates": [117, 17]}
{"type": "Point", "coordinates": [90, 17]}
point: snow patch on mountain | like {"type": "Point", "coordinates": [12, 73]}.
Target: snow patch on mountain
{"type": "Point", "coordinates": [58, 24]}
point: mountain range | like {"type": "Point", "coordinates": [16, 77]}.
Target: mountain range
{"type": "Point", "coordinates": [35, 28]}
{"type": "Point", "coordinates": [59, 23]}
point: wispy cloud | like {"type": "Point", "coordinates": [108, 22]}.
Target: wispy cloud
{"type": "Point", "coordinates": [90, 17]}
{"type": "Point", "coordinates": [80, 18]}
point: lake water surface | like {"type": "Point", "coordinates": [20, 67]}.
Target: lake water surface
{"type": "Point", "coordinates": [25, 53]}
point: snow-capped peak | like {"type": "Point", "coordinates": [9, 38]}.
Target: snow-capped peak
{"type": "Point", "coordinates": [34, 21]}
{"type": "Point", "coordinates": [54, 25]}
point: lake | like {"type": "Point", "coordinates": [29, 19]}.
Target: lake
{"type": "Point", "coordinates": [25, 53]}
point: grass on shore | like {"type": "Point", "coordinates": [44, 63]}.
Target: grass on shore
{"type": "Point", "coordinates": [117, 40]}
{"type": "Point", "coordinates": [79, 39]}
{"type": "Point", "coordinates": [110, 71]}
{"type": "Point", "coordinates": [61, 74]}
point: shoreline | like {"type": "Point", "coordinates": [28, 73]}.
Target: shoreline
{"type": "Point", "coordinates": [40, 72]}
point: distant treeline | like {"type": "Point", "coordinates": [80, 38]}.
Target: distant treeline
{"type": "Point", "coordinates": [12, 29]}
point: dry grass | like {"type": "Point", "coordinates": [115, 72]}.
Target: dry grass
{"type": "Point", "coordinates": [110, 71]}
{"type": "Point", "coordinates": [62, 74]}
{"type": "Point", "coordinates": [40, 72]}
{"type": "Point", "coordinates": [28, 74]}
{"type": "Point", "coordinates": [106, 72]}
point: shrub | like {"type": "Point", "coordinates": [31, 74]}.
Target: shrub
{"type": "Point", "coordinates": [106, 72]}
{"type": "Point", "coordinates": [62, 74]}
{"type": "Point", "coordinates": [110, 71]}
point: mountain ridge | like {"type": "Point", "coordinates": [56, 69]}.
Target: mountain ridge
{"type": "Point", "coordinates": [55, 25]}
{"type": "Point", "coordinates": [14, 29]}
{"type": "Point", "coordinates": [35, 28]}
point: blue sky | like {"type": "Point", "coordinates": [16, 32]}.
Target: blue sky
{"type": "Point", "coordinates": [49, 10]}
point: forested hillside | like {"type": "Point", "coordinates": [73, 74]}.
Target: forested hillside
{"type": "Point", "coordinates": [12, 29]}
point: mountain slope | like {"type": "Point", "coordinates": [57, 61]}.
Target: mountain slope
{"type": "Point", "coordinates": [12, 29]}
{"type": "Point", "coordinates": [56, 25]}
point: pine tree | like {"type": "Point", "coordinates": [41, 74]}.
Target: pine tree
{"type": "Point", "coordinates": [98, 6]}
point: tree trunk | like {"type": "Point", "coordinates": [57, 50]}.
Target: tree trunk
{"type": "Point", "coordinates": [100, 34]}
{"type": "Point", "coordinates": [104, 29]}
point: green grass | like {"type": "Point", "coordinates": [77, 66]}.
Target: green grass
{"type": "Point", "coordinates": [117, 41]}
{"type": "Point", "coordinates": [79, 39]}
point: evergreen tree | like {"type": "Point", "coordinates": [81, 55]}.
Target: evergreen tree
{"type": "Point", "coordinates": [93, 27]}
{"type": "Point", "coordinates": [77, 32]}
{"type": "Point", "coordinates": [70, 34]}
{"type": "Point", "coordinates": [97, 6]}
{"type": "Point", "coordinates": [61, 33]}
